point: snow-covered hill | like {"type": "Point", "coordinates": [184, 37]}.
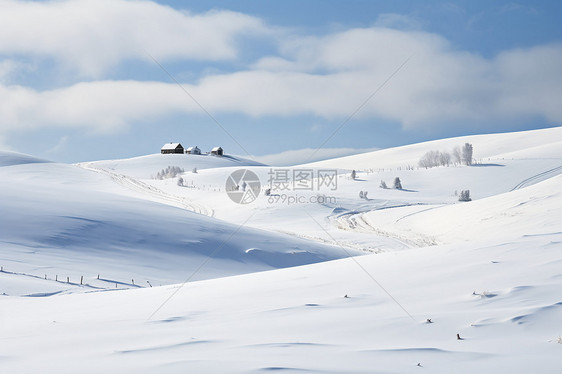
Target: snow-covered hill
{"type": "Point", "coordinates": [146, 167]}
{"type": "Point", "coordinates": [490, 148]}
{"type": "Point", "coordinates": [531, 211]}
{"type": "Point", "coordinates": [534, 156]}
{"type": "Point", "coordinates": [502, 299]}
{"type": "Point", "coordinates": [487, 270]}
{"type": "Point", "coordinates": [13, 158]}
{"type": "Point", "coordinates": [62, 221]}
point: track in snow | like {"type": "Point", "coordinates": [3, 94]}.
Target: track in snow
{"type": "Point", "coordinates": [538, 177]}
{"type": "Point", "coordinates": [155, 193]}
{"type": "Point", "coordinates": [354, 221]}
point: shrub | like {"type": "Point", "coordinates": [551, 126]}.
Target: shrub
{"type": "Point", "coordinates": [465, 195]}
{"type": "Point", "coordinates": [169, 172]}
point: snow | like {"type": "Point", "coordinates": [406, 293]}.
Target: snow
{"type": "Point", "coordinates": [298, 319]}
{"type": "Point", "coordinates": [146, 167]}
{"type": "Point", "coordinates": [544, 143]}
{"type": "Point", "coordinates": [13, 158]}
{"type": "Point", "coordinates": [270, 286]}
{"type": "Point", "coordinates": [170, 146]}
{"type": "Point", "coordinates": [492, 218]}
{"type": "Point", "coordinates": [67, 221]}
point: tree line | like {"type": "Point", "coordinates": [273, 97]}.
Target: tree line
{"type": "Point", "coordinates": [459, 155]}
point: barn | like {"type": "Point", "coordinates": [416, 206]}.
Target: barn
{"type": "Point", "coordinates": [217, 151]}
{"type": "Point", "coordinates": [172, 148]}
{"type": "Point", "coordinates": [193, 151]}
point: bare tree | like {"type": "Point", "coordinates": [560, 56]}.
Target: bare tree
{"type": "Point", "coordinates": [444, 158]}
{"type": "Point", "coordinates": [467, 153]}
{"type": "Point", "coordinates": [169, 172]}
{"type": "Point", "coordinates": [457, 155]}
{"type": "Point", "coordinates": [429, 159]}
{"type": "Point", "coordinates": [434, 158]}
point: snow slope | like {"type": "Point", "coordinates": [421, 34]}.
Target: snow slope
{"type": "Point", "coordinates": [516, 160]}
{"type": "Point", "coordinates": [63, 221]}
{"type": "Point", "coordinates": [544, 143]}
{"type": "Point", "coordinates": [502, 299]}
{"type": "Point", "coordinates": [146, 167]}
{"type": "Point", "coordinates": [14, 158]}
{"type": "Point", "coordinates": [488, 270]}
{"type": "Point", "coordinates": [493, 218]}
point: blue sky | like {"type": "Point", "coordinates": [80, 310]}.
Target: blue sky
{"type": "Point", "coordinates": [79, 81]}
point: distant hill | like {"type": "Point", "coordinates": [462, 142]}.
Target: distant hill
{"type": "Point", "coordinates": [8, 158]}
{"type": "Point", "coordinates": [145, 167]}
{"type": "Point", "coordinates": [542, 143]}
{"type": "Point", "coordinates": [54, 212]}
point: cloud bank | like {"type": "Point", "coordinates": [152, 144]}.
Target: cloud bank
{"type": "Point", "coordinates": [92, 36]}
{"type": "Point", "coordinates": [326, 76]}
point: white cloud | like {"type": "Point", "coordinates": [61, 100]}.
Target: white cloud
{"type": "Point", "coordinates": [327, 76]}
{"type": "Point", "coordinates": [92, 36]}
{"type": "Point", "coordinates": [4, 145]}
{"type": "Point", "coordinates": [102, 106]}
{"type": "Point", "coordinates": [7, 68]}
{"type": "Point", "coordinates": [532, 82]}
{"type": "Point", "coordinates": [60, 146]}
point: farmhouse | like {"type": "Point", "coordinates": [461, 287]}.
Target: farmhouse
{"type": "Point", "coordinates": [217, 151]}
{"type": "Point", "coordinates": [193, 151]}
{"type": "Point", "coordinates": [172, 148]}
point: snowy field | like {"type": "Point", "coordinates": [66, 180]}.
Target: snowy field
{"type": "Point", "coordinates": [106, 268]}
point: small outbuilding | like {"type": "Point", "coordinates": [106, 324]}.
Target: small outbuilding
{"type": "Point", "coordinates": [217, 151]}
{"type": "Point", "coordinates": [193, 151]}
{"type": "Point", "coordinates": [172, 148]}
